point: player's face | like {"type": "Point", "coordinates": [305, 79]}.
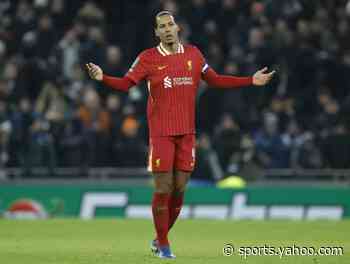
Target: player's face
{"type": "Point", "coordinates": [167, 30]}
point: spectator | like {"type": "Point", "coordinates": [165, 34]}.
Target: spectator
{"type": "Point", "coordinates": [208, 169]}
{"type": "Point", "coordinates": [309, 156]}
{"type": "Point", "coordinates": [22, 121]}
{"type": "Point", "coordinates": [69, 50]}
{"type": "Point", "coordinates": [271, 150]}
{"type": "Point", "coordinates": [52, 107]}
{"type": "Point", "coordinates": [5, 133]}
{"type": "Point", "coordinates": [130, 150]}
{"type": "Point", "coordinates": [114, 109]}
{"type": "Point", "coordinates": [46, 36]}
{"type": "Point", "coordinates": [74, 145]}
{"type": "Point", "coordinates": [42, 152]}
{"type": "Point", "coordinates": [336, 148]}
{"type": "Point", "coordinates": [97, 125]}
{"type": "Point", "coordinates": [227, 142]}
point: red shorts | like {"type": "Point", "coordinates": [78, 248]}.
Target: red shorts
{"type": "Point", "coordinates": [172, 152]}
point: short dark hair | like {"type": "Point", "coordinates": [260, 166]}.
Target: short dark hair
{"type": "Point", "coordinates": [159, 14]}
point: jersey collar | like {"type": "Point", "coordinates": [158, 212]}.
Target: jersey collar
{"type": "Point", "coordinates": [164, 52]}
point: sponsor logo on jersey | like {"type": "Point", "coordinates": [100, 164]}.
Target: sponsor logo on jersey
{"type": "Point", "coordinates": [177, 81]}
{"type": "Point", "coordinates": [162, 67]}
{"type": "Point", "coordinates": [183, 81]}
{"type": "Point", "coordinates": [167, 82]}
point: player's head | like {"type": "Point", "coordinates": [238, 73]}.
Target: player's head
{"type": "Point", "coordinates": [166, 28]}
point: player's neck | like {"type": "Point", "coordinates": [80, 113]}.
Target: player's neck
{"type": "Point", "coordinates": [172, 48]}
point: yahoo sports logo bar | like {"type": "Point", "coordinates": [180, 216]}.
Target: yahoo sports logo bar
{"type": "Point", "coordinates": [167, 82]}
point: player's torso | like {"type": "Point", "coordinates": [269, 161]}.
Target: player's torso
{"type": "Point", "coordinates": [173, 77]}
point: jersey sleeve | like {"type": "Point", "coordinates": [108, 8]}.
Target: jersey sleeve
{"type": "Point", "coordinates": [138, 70]}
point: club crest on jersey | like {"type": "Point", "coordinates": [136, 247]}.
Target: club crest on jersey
{"type": "Point", "coordinates": [189, 65]}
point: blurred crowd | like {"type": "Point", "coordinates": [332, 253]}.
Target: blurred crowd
{"type": "Point", "coordinates": [52, 115]}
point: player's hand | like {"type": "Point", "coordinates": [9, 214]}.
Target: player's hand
{"type": "Point", "coordinates": [95, 71]}
{"type": "Point", "coordinates": [262, 77]}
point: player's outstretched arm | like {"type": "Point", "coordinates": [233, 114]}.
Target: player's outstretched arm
{"type": "Point", "coordinates": [96, 73]}
{"type": "Point", "coordinates": [227, 81]}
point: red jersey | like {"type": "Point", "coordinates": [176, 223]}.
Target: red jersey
{"type": "Point", "coordinates": [172, 81]}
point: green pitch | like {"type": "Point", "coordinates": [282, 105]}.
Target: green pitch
{"type": "Point", "coordinates": [193, 241]}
